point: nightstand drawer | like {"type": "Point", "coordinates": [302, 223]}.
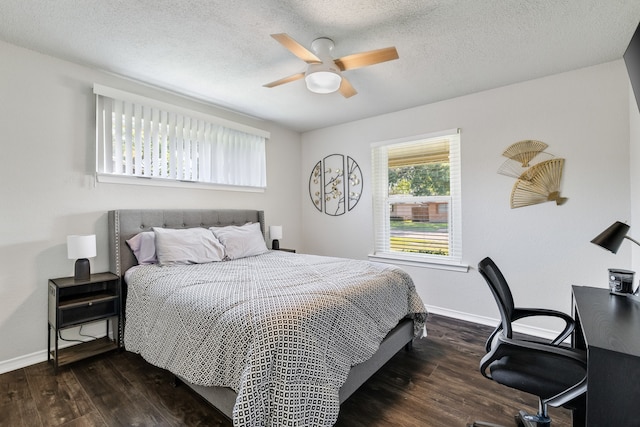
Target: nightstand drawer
{"type": "Point", "coordinates": [88, 310]}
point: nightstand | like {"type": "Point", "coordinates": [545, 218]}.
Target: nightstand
{"type": "Point", "coordinates": [286, 250]}
{"type": "Point", "coordinates": [76, 302]}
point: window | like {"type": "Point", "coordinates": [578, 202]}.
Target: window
{"type": "Point", "coordinates": [416, 198]}
{"type": "Point", "coordinates": [139, 137]}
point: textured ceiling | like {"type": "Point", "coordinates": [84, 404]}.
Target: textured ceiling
{"type": "Point", "coordinates": [221, 52]}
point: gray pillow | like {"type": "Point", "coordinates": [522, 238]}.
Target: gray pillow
{"type": "Point", "coordinates": [241, 241]}
{"type": "Point", "coordinates": [187, 246]}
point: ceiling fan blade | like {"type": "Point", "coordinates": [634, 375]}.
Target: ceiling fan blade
{"type": "Point", "coordinates": [296, 48]}
{"type": "Point", "coordinates": [363, 59]}
{"type": "Point", "coordinates": [346, 89]}
{"type": "Point", "coordinates": [282, 81]}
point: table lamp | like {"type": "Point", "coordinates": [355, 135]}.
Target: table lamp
{"type": "Point", "coordinates": [80, 248]}
{"type": "Point", "coordinates": [275, 231]}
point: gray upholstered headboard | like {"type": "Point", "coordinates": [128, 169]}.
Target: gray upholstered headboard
{"type": "Point", "coordinates": [124, 224]}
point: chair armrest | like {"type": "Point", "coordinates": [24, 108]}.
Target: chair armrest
{"type": "Point", "coordinates": [568, 395]}
{"type": "Point", "coordinates": [520, 313]}
{"type": "Point", "coordinates": [488, 344]}
{"type": "Point", "coordinates": [504, 346]}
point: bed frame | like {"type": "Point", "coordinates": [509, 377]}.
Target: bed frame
{"type": "Point", "coordinates": [124, 224]}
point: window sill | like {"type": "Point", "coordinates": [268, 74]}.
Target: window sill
{"type": "Point", "coordinates": [163, 182]}
{"type": "Point", "coordinates": [417, 261]}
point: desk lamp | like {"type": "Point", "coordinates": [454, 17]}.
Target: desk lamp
{"type": "Point", "coordinates": [612, 237]}
{"type": "Point", "coordinates": [81, 248]}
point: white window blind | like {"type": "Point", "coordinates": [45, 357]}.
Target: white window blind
{"type": "Point", "coordinates": [416, 198]}
{"type": "Point", "coordinates": [143, 138]}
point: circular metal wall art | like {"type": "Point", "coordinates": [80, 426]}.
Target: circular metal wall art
{"type": "Point", "coordinates": [335, 184]}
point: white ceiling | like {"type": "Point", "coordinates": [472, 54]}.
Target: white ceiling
{"type": "Point", "coordinates": [221, 52]}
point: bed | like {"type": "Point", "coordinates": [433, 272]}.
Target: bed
{"type": "Point", "coordinates": [257, 387]}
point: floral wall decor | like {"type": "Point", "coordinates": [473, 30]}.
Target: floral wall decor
{"type": "Point", "coordinates": [538, 174]}
{"type": "Point", "coordinates": [335, 184]}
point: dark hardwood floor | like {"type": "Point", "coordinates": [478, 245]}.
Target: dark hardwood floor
{"type": "Point", "coordinates": [435, 384]}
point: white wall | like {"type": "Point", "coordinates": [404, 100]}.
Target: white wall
{"type": "Point", "coordinates": [542, 249]}
{"type": "Point", "coordinates": [634, 161]}
{"type": "Point", "coordinates": [47, 190]}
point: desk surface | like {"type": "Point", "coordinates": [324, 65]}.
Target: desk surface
{"type": "Point", "coordinates": [610, 322]}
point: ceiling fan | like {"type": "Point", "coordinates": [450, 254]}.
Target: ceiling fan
{"type": "Point", "coordinates": [324, 73]}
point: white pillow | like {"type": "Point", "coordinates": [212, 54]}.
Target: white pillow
{"type": "Point", "coordinates": [241, 241]}
{"type": "Point", "coordinates": [187, 246]}
{"type": "Point", "coordinates": [143, 246]}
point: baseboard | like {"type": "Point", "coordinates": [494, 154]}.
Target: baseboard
{"type": "Point", "coordinates": [22, 361]}
{"type": "Point", "coordinates": [523, 329]}
{"type": "Point", "coordinates": [34, 358]}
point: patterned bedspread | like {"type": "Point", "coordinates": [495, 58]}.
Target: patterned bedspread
{"type": "Point", "coordinates": [280, 329]}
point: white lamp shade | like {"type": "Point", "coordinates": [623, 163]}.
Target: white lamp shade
{"type": "Point", "coordinates": [81, 246]}
{"type": "Point", "coordinates": [275, 231]}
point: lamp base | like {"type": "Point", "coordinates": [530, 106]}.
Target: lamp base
{"type": "Point", "coordinates": [82, 270]}
{"type": "Point", "coordinates": [275, 245]}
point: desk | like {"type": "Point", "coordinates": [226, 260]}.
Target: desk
{"type": "Point", "coordinates": [608, 327]}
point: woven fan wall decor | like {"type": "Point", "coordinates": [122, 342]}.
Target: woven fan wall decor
{"type": "Point", "coordinates": [514, 168]}
{"type": "Point", "coordinates": [539, 174]}
{"type": "Point", "coordinates": [524, 151]}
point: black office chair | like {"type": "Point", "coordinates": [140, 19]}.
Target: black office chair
{"type": "Point", "coordinates": [557, 375]}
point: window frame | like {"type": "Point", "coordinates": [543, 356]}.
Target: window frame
{"type": "Point", "coordinates": [105, 151]}
{"type": "Point", "coordinates": [382, 202]}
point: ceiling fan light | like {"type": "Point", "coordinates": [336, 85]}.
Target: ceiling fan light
{"type": "Point", "coordinates": [324, 80]}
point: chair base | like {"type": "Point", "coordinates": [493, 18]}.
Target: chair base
{"type": "Point", "coordinates": [526, 420]}
{"type": "Point", "coordinates": [522, 420]}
